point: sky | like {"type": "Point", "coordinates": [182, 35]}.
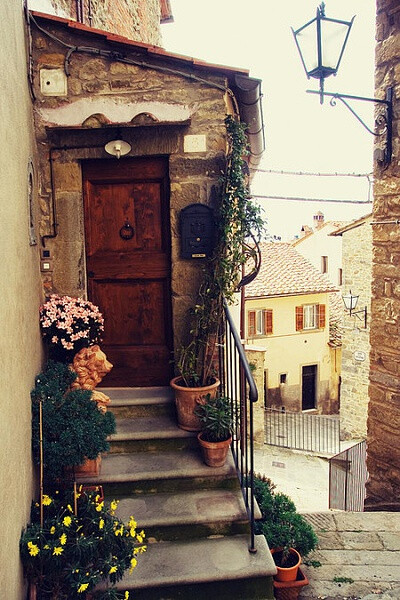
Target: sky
{"type": "Point", "coordinates": [301, 135]}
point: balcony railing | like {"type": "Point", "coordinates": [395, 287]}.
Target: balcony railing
{"type": "Point", "coordinates": [237, 383]}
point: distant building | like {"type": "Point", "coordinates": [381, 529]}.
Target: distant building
{"type": "Point", "coordinates": [323, 251]}
{"type": "Point", "coordinates": [357, 273]}
{"type": "Point", "coordinates": [287, 312]}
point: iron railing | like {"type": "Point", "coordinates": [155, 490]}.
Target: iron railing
{"type": "Point", "coordinates": [302, 431]}
{"type": "Point", "coordinates": [237, 383]}
{"type": "Point", "coordinates": [347, 477]}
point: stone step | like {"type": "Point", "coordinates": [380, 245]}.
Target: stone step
{"type": "Point", "coordinates": [140, 402]}
{"type": "Point", "coordinates": [150, 434]}
{"type": "Point", "coordinates": [220, 568]}
{"type": "Point", "coordinates": [187, 515]}
{"type": "Point", "coordinates": [150, 472]}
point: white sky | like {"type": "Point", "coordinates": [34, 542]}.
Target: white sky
{"type": "Point", "coordinates": [301, 135]}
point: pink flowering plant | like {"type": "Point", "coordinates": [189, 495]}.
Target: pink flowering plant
{"type": "Point", "coordinates": [70, 324]}
{"type": "Point", "coordinates": [81, 543]}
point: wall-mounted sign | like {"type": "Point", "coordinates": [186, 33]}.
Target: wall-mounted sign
{"type": "Point", "coordinates": [197, 231]}
{"type": "Point", "coordinates": [359, 355]}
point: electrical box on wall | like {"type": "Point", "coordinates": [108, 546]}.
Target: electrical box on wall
{"type": "Point", "coordinates": [53, 82]}
{"type": "Point", "coordinates": [197, 231]}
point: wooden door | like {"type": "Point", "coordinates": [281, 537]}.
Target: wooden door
{"type": "Point", "coordinates": [309, 387]}
{"type": "Point", "coordinates": [128, 265]}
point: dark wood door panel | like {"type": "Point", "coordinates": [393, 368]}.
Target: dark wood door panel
{"type": "Point", "coordinates": [133, 311]}
{"type": "Point", "coordinates": [113, 265]}
{"type": "Point", "coordinates": [141, 367]}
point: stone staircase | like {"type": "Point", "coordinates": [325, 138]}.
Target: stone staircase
{"type": "Point", "coordinates": [194, 516]}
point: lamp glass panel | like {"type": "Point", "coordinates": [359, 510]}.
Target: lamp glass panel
{"type": "Point", "coordinates": [333, 38]}
{"type": "Point", "coordinates": [350, 301]}
{"type": "Point", "coordinates": [307, 40]}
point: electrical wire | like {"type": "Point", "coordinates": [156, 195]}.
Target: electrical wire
{"type": "Point", "coordinates": [311, 174]}
{"type": "Point", "coordinates": [299, 199]}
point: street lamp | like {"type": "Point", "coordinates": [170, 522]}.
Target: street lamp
{"type": "Point", "coordinates": [350, 302]}
{"type": "Point", "coordinates": [321, 43]}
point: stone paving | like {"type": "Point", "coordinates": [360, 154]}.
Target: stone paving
{"type": "Point", "coordinates": [361, 548]}
{"type": "Point", "coordinates": [359, 555]}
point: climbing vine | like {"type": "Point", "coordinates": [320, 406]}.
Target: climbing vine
{"type": "Point", "coordinates": [239, 229]}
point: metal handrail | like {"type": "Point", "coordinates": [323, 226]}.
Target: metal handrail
{"type": "Point", "coordinates": [237, 383]}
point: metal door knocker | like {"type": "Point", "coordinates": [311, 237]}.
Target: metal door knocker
{"type": "Point", "coordinates": [126, 232]}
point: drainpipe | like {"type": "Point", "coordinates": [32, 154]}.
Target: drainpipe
{"type": "Point", "coordinates": [248, 94]}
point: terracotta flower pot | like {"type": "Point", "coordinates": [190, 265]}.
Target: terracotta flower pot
{"type": "Point", "coordinates": [214, 453]}
{"type": "Point", "coordinates": [89, 468]}
{"type": "Point", "coordinates": [287, 573]}
{"type": "Point", "coordinates": [289, 590]}
{"type": "Point", "coordinates": [186, 400]}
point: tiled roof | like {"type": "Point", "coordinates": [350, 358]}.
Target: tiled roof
{"type": "Point", "coordinates": [285, 272]}
{"type": "Point", "coordinates": [352, 225]}
{"type": "Point", "coordinates": [147, 49]}
{"type": "Point", "coordinates": [308, 231]}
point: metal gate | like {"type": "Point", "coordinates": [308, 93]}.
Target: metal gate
{"type": "Point", "coordinates": [347, 477]}
{"type": "Point", "coordinates": [301, 431]}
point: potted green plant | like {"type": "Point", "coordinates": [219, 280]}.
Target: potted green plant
{"type": "Point", "coordinates": [287, 532]}
{"type": "Point", "coordinates": [237, 219]}
{"type": "Point", "coordinates": [66, 424]}
{"type": "Point", "coordinates": [215, 438]}
{"type": "Point", "coordinates": [75, 542]}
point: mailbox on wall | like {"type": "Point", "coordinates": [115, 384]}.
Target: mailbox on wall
{"type": "Point", "coordinates": [197, 231]}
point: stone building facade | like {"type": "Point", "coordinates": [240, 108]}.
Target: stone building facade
{"type": "Point", "coordinates": [383, 487]}
{"type": "Point", "coordinates": [357, 260]}
{"type": "Point", "coordinates": [161, 105]}
{"type": "Point", "coordinates": [135, 19]}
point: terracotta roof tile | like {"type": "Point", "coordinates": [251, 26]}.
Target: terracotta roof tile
{"type": "Point", "coordinates": [285, 272]}
{"type": "Point", "coordinates": [149, 49]}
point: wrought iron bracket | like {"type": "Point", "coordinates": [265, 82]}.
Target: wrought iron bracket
{"type": "Point", "coordinates": [383, 120]}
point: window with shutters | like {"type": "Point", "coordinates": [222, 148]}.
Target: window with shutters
{"type": "Point", "coordinates": [310, 316]}
{"type": "Point", "coordinates": [259, 322]}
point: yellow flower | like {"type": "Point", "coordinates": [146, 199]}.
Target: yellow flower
{"type": "Point", "coordinates": [126, 597]}
{"type": "Point", "coordinates": [52, 530]}
{"type": "Point", "coordinates": [119, 531]}
{"type": "Point", "coordinates": [69, 508]}
{"type": "Point", "coordinates": [101, 523]}
{"type": "Point", "coordinates": [67, 521]}
{"type": "Point", "coordinates": [63, 539]}
{"type": "Point", "coordinates": [57, 550]}
{"type": "Point", "coordinates": [83, 587]}
{"type": "Point", "coordinates": [46, 547]}
{"type": "Point", "coordinates": [133, 564]}
{"type": "Point", "coordinates": [99, 507]}
{"type": "Point", "coordinates": [33, 549]}
{"type": "Point", "coordinates": [132, 523]}
{"type": "Point", "coordinates": [114, 504]}
{"type": "Point", "coordinates": [113, 570]}
{"type": "Point", "coordinates": [132, 531]}
{"type": "Point", "coordinates": [140, 537]}
{"type": "Point", "coordinates": [46, 500]}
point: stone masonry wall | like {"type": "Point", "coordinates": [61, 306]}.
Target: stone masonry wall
{"type": "Point", "coordinates": [357, 260]}
{"type": "Point", "coordinates": [108, 89]}
{"type": "Point", "coordinates": [383, 487]}
{"type": "Point", "coordinates": [137, 20]}
{"type": "Point", "coordinates": [256, 358]}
